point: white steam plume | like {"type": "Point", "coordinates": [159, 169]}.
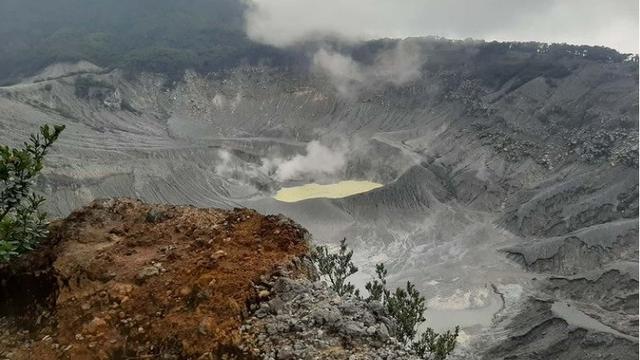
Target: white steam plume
{"type": "Point", "coordinates": [396, 66]}
{"type": "Point", "coordinates": [319, 160]}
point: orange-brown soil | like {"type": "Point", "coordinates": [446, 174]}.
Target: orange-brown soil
{"type": "Point", "coordinates": [137, 280]}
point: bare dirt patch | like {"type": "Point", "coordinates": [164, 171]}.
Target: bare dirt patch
{"type": "Point", "coordinates": [137, 280]}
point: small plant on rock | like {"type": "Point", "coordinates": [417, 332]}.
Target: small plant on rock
{"type": "Point", "coordinates": [22, 224]}
{"type": "Point", "coordinates": [378, 287]}
{"type": "Point", "coordinates": [337, 267]}
{"type": "Point", "coordinates": [434, 346]}
{"type": "Point", "coordinates": [406, 307]}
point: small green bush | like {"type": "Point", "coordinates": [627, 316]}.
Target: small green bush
{"type": "Point", "coordinates": [406, 306]}
{"type": "Point", "coordinates": [434, 346]}
{"type": "Point", "coordinates": [378, 287]}
{"type": "Point", "coordinates": [337, 267]}
{"type": "Point", "coordinates": [22, 224]}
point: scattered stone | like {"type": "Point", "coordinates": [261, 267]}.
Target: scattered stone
{"type": "Point", "coordinates": [307, 320]}
{"type": "Point", "coordinates": [94, 326]}
{"type": "Point", "coordinates": [147, 272]}
{"type": "Point", "coordinates": [206, 326]}
{"type": "Point", "coordinates": [285, 353]}
{"type": "Point", "coordinates": [263, 294]}
{"type": "Point", "coordinates": [218, 254]}
{"type": "Point", "coordinates": [371, 330]}
{"type": "Point", "coordinates": [185, 291]}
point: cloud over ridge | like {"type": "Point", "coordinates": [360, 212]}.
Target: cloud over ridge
{"type": "Point", "coordinates": [612, 23]}
{"type": "Point", "coordinates": [396, 66]}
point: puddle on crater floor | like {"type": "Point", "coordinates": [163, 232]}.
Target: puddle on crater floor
{"type": "Point", "coordinates": [441, 319]}
{"type": "Point", "coordinates": [331, 191]}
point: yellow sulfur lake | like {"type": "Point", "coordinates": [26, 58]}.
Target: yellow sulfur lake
{"type": "Point", "coordinates": [331, 191]}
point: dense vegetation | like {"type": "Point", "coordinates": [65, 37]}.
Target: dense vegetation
{"type": "Point", "coordinates": [169, 36]}
{"type": "Point", "coordinates": [164, 36]}
{"type": "Point", "coordinates": [494, 63]}
{"type": "Point", "coordinates": [22, 224]}
{"type": "Point", "coordinates": [405, 306]}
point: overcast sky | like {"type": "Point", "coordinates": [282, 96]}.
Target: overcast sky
{"type": "Point", "coordinates": [612, 23]}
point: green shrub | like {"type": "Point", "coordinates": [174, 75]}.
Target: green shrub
{"type": "Point", "coordinates": [22, 224]}
{"type": "Point", "coordinates": [378, 287]}
{"type": "Point", "coordinates": [337, 267]}
{"type": "Point", "coordinates": [434, 346]}
{"type": "Point", "coordinates": [406, 306]}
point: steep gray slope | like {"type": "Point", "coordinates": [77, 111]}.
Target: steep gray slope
{"type": "Point", "coordinates": [510, 197]}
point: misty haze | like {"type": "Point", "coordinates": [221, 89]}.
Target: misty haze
{"type": "Point", "coordinates": [295, 179]}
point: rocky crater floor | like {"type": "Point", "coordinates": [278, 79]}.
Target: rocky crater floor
{"type": "Point", "coordinates": [131, 280]}
{"type": "Point", "coordinates": [509, 173]}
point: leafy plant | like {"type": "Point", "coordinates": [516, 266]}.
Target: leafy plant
{"type": "Point", "coordinates": [337, 267]}
{"type": "Point", "coordinates": [434, 346]}
{"type": "Point", "coordinates": [378, 287]}
{"type": "Point", "coordinates": [407, 307]}
{"type": "Point", "coordinates": [22, 224]}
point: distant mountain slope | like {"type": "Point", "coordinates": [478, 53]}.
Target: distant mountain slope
{"type": "Point", "coordinates": [165, 36]}
{"type": "Point", "coordinates": [170, 36]}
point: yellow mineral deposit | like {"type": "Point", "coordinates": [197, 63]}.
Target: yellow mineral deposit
{"type": "Point", "coordinates": [331, 191]}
